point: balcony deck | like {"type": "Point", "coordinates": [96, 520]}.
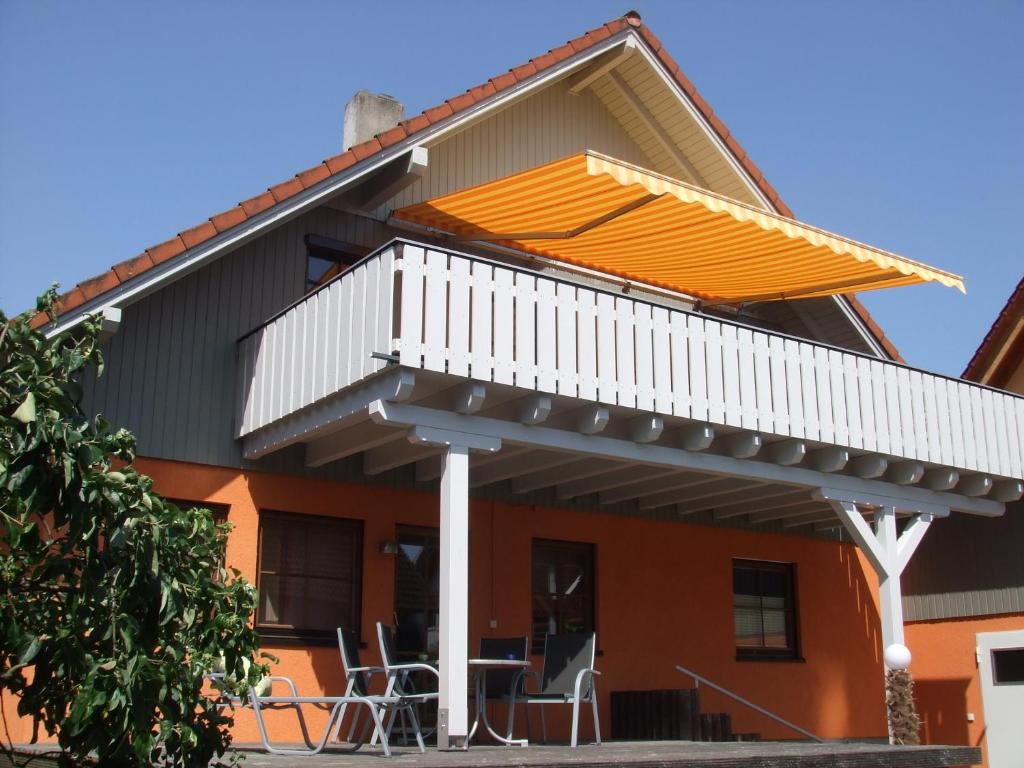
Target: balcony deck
{"type": "Point", "coordinates": [459, 318]}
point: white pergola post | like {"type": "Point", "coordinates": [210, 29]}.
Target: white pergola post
{"type": "Point", "coordinates": [453, 618]}
{"type": "Point", "coordinates": [452, 718]}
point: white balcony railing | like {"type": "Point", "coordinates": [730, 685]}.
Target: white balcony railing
{"type": "Point", "coordinates": [470, 317]}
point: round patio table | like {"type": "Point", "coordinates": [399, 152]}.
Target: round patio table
{"type": "Point", "coordinates": [480, 666]}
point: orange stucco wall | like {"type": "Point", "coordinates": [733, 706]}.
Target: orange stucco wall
{"type": "Point", "coordinates": [664, 596]}
{"type": "Point", "coordinates": [946, 683]}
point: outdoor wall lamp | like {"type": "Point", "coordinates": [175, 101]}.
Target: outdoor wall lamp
{"type": "Point", "coordinates": [388, 547]}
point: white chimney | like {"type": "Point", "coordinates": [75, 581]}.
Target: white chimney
{"type": "Point", "coordinates": [368, 114]}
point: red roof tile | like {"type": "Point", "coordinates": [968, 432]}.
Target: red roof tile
{"type": "Point", "coordinates": [285, 189]}
{"type": "Point", "coordinates": [281, 192]}
{"type": "Point", "coordinates": [166, 250]}
{"type": "Point", "coordinates": [228, 219]}
{"type": "Point", "coordinates": [102, 283]}
{"type": "Point", "coordinates": [198, 235]}
{"type": "Point", "coordinates": [314, 175]}
{"type": "Point", "coordinates": [126, 270]}
{"type": "Point", "coordinates": [257, 204]}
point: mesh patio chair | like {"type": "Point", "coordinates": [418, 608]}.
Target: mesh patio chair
{"type": "Point", "coordinates": [399, 677]}
{"type": "Point", "coordinates": [506, 685]}
{"type": "Point", "coordinates": [568, 678]}
{"type": "Point", "coordinates": [357, 679]}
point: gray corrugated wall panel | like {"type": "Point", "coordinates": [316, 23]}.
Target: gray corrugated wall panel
{"type": "Point", "coordinates": [967, 566]}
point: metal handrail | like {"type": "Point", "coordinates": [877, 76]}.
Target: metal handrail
{"type": "Point", "coordinates": [699, 679]}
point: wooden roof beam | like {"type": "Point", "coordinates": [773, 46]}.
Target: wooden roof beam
{"type": "Point", "coordinates": [659, 133]}
{"type": "Point", "coordinates": [602, 65]}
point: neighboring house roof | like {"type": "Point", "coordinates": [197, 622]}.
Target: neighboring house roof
{"type": "Point", "coordinates": [90, 289]}
{"type": "Point", "coordinates": [1007, 329]}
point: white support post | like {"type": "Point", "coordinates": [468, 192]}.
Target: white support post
{"type": "Point", "coordinates": [453, 621]}
{"type": "Point", "coordinates": [890, 599]}
{"type": "Point", "coordinates": [887, 553]}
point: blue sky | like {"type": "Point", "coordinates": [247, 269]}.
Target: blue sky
{"type": "Point", "coordinates": [900, 124]}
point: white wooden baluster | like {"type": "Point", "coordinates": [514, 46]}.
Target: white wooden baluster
{"type": "Point", "coordinates": [699, 403]}
{"type": "Point", "coordinates": [747, 378]}
{"type": "Point", "coordinates": [731, 373]}
{"type": "Point", "coordinates": [565, 302]}
{"type": "Point", "coordinates": [482, 334]}
{"type": "Point", "coordinates": [823, 377]}
{"type": "Point", "coordinates": [411, 331]}
{"type": "Point", "coordinates": [458, 317]}
{"type": "Point", "coordinates": [662, 351]}
{"type": "Point", "coordinates": [547, 337]}
{"type": "Point", "coordinates": [504, 326]}
{"type": "Point", "coordinates": [526, 330]}
{"type": "Point", "coordinates": [606, 364]}
{"type": "Point", "coordinates": [867, 404]}
{"type": "Point", "coordinates": [435, 312]}
{"type": "Point", "coordinates": [791, 407]}
{"type": "Point", "coordinates": [625, 356]}
{"type": "Point", "coordinates": [840, 420]}
{"type": "Point", "coordinates": [763, 385]}
{"type": "Point", "coordinates": [586, 334]}
{"type": "Point", "coordinates": [679, 338]}
{"type": "Point", "coordinates": [851, 383]}
{"type": "Point", "coordinates": [713, 358]}
{"type": "Point", "coordinates": [809, 388]}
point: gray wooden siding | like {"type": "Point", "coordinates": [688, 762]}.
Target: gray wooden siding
{"type": "Point", "coordinates": [170, 374]}
{"type": "Point", "coordinates": [967, 566]}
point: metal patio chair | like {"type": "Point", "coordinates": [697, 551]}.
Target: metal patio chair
{"type": "Point", "coordinates": [261, 698]}
{"type": "Point", "coordinates": [357, 679]}
{"type": "Point", "coordinates": [399, 677]}
{"type": "Point", "coordinates": [568, 678]}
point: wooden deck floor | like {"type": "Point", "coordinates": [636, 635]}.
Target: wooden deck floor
{"type": "Point", "coordinates": [654, 754]}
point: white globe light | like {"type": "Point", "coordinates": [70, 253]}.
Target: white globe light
{"type": "Point", "coordinates": [897, 656]}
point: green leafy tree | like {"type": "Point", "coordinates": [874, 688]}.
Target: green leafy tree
{"type": "Point", "coordinates": [113, 602]}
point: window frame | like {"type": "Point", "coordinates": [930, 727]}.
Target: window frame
{"type": "Point", "coordinates": [343, 253]}
{"type": "Point", "coordinates": [591, 549]}
{"type": "Point", "coordinates": [792, 651]}
{"type": "Point", "coordinates": [426, 533]}
{"type": "Point", "coordinates": [290, 634]}
{"type": "Point", "coordinates": [220, 511]}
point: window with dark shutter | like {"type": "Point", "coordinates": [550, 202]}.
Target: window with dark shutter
{"type": "Point", "coordinates": [563, 589]}
{"type": "Point", "coordinates": [309, 576]}
{"type": "Point", "coordinates": [764, 609]}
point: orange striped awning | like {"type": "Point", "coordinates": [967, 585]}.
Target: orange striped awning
{"type": "Point", "coordinates": [605, 214]}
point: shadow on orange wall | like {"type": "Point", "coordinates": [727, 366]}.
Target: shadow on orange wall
{"type": "Point", "coordinates": [941, 704]}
